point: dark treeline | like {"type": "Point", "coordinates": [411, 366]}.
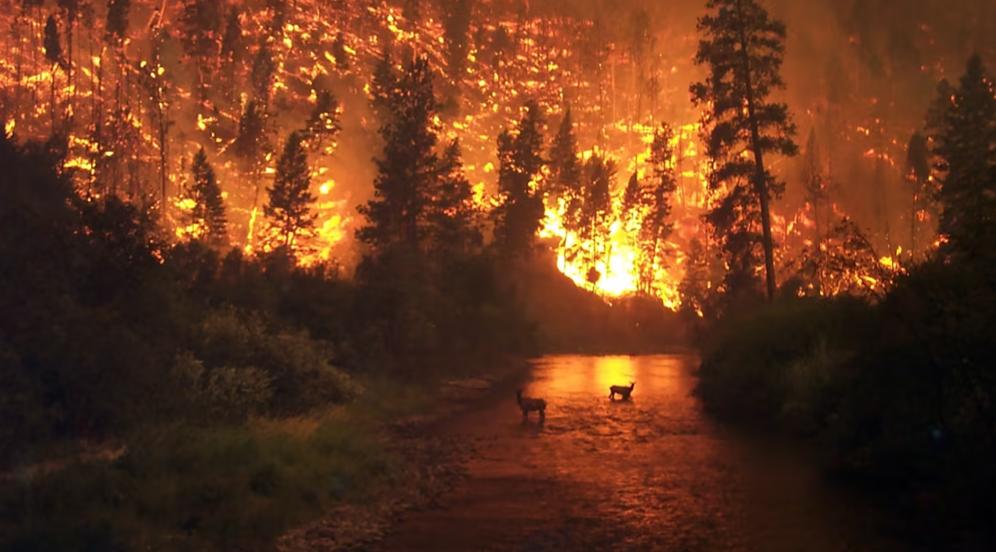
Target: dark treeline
{"type": "Point", "coordinates": [895, 387]}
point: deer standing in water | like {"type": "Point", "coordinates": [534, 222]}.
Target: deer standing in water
{"type": "Point", "coordinates": [621, 390]}
{"type": "Point", "coordinates": [527, 405]}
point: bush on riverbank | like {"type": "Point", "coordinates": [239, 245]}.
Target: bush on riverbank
{"type": "Point", "coordinates": [787, 361]}
{"type": "Point", "coordinates": [186, 488]}
{"type": "Point", "coordinates": [901, 393]}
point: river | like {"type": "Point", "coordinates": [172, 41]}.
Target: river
{"type": "Point", "coordinates": [651, 473]}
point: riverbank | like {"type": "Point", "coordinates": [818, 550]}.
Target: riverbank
{"type": "Point", "coordinates": [354, 468]}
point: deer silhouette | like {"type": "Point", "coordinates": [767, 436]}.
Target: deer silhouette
{"type": "Point", "coordinates": [621, 390]}
{"type": "Point", "coordinates": [527, 405]}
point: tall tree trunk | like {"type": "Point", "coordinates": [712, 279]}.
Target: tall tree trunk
{"type": "Point", "coordinates": [760, 180]}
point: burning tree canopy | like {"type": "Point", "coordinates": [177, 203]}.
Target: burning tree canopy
{"type": "Point", "coordinates": [536, 121]}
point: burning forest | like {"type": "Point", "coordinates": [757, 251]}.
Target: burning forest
{"type": "Point", "coordinates": [137, 89]}
{"type": "Point", "coordinates": [279, 209]}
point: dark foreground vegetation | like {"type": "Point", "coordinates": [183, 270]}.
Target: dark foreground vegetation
{"type": "Point", "coordinates": [899, 390]}
{"type": "Point", "coordinates": [174, 396]}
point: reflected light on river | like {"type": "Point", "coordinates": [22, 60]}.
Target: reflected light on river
{"type": "Point", "coordinates": [572, 375]}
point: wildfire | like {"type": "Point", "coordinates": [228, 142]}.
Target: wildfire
{"type": "Point", "coordinates": [508, 59]}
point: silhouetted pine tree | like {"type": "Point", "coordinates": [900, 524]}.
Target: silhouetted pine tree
{"type": "Point", "coordinates": [209, 209]}
{"type": "Point", "coordinates": [565, 167]}
{"type": "Point", "coordinates": [596, 213]}
{"type": "Point", "coordinates": [517, 218]}
{"type": "Point", "coordinates": [564, 189]}
{"type": "Point", "coordinates": [454, 220]}
{"type": "Point", "coordinates": [964, 136]}
{"type": "Point", "coordinates": [656, 226]}
{"type": "Point", "coordinates": [251, 144]}
{"type": "Point", "coordinates": [743, 49]}
{"type": "Point", "coordinates": [407, 167]}
{"type": "Point", "coordinates": [289, 207]}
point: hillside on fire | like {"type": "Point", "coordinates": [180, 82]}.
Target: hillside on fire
{"type": "Point", "coordinates": [499, 274]}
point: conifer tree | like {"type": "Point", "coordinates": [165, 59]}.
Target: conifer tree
{"type": "Point", "coordinates": [209, 208]}
{"type": "Point", "coordinates": [743, 49]}
{"type": "Point", "coordinates": [596, 212]}
{"type": "Point", "coordinates": [289, 207]}
{"type": "Point", "coordinates": [408, 166]}
{"type": "Point", "coordinates": [656, 226]}
{"type": "Point", "coordinates": [964, 137]}
{"type": "Point", "coordinates": [565, 167]}
{"type": "Point", "coordinates": [517, 218]}
{"type": "Point", "coordinates": [454, 220]}
{"type": "Point", "coordinates": [251, 144]}
{"type": "Point", "coordinates": [564, 189]}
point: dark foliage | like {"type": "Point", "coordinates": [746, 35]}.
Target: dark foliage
{"type": "Point", "coordinates": [743, 49]}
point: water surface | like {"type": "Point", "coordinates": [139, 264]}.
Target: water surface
{"type": "Point", "coordinates": [651, 473]}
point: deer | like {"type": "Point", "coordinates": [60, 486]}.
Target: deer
{"type": "Point", "coordinates": [621, 390]}
{"type": "Point", "coordinates": [527, 405]}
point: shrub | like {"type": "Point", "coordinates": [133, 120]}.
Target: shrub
{"type": "Point", "coordinates": [785, 361]}
{"type": "Point", "coordinates": [219, 488]}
